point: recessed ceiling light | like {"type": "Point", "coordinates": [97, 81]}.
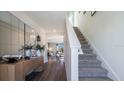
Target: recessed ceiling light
{"type": "Point", "coordinates": [54, 30]}
{"type": "Point", "coordinates": [32, 31]}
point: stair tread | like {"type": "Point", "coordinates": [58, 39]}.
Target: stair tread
{"type": "Point", "coordinates": [85, 45]}
{"type": "Point", "coordinates": [81, 39]}
{"type": "Point", "coordinates": [87, 49]}
{"type": "Point", "coordinates": [75, 27]}
{"type": "Point", "coordinates": [90, 54]}
{"type": "Point", "coordinates": [89, 61]}
{"type": "Point", "coordinates": [92, 69]}
{"type": "Point", "coordinates": [84, 42]}
{"type": "Point", "coordinates": [92, 72]}
{"type": "Point", "coordinates": [87, 56]}
{"type": "Point", "coordinates": [94, 79]}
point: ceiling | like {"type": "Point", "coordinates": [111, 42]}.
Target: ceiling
{"type": "Point", "coordinates": [49, 21]}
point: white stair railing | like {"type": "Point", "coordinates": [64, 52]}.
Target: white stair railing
{"type": "Point", "coordinates": [72, 50]}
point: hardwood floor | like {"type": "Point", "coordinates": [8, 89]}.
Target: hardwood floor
{"type": "Point", "coordinates": [53, 71]}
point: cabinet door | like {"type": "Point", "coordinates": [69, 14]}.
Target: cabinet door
{"type": "Point", "coordinates": [19, 75]}
{"type": "Point", "coordinates": [15, 35]}
{"type": "Point", "coordinates": [5, 17]}
{"type": "Point", "coordinates": [11, 72]}
{"type": "Point", "coordinates": [5, 33]}
{"type": "Point", "coordinates": [7, 72]}
{"type": "Point", "coordinates": [21, 34]}
{"type": "Point", "coordinates": [3, 73]}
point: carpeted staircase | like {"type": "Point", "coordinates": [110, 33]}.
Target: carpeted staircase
{"type": "Point", "coordinates": [89, 66]}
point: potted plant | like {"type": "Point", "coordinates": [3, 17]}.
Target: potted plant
{"type": "Point", "coordinates": [27, 49]}
{"type": "Point", "coordinates": [39, 49]}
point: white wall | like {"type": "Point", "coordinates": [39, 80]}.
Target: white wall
{"type": "Point", "coordinates": [105, 31]}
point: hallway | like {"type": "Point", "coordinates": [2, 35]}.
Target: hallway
{"type": "Point", "coordinates": [53, 71]}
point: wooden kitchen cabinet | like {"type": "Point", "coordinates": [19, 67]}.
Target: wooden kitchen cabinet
{"type": "Point", "coordinates": [17, 71]}
{"type": "Point", "coordinates": [11, 72]}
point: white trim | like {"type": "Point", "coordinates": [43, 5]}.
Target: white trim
{"type": "Point", "coordinates": [72, 46]}
{"type": "Point", "coordinates": [73, 40]}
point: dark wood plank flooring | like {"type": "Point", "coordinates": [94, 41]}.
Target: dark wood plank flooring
{"type": "Point", "coordinates": [53, 71]}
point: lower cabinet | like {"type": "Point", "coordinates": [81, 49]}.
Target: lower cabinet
{"type": "Point", "coordinates": [18, 71]}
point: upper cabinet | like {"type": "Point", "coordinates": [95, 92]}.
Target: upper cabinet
{"type": "Point", "coordinates": [5, 17]}
{"type": "Point", "coordinates": [11, 34]}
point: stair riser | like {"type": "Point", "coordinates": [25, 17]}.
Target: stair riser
{"type": "Point", "coordinates": [90, 74]}
{"type": "Point", "coordinates": [78, 32]}
{"type": "Point", "coordinates": [95, 79]}
{"type": "Point", "coordinates": [76, 29]}
{"type": "Point", "coordinates": [79, 35]}
{"type": "Point", "coordinates": [82, 39]}
{"type": "Point", "coordinates": [87, 51]}
{"type": "Point", "coordinates": [87, 57]}
{"type": "Point", "coordinates": [83, 42]}
{"type": "Point", "coordinates": [89, 65]}
{"type": "Point", "coordinates": [89, 62]}
{"type": "Point", "coordinates": [85, 46]}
